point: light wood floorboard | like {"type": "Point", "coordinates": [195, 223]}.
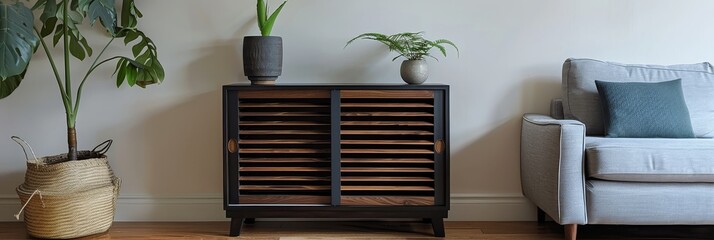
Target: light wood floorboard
{"type": "Point", "coordinates": [376, 230]}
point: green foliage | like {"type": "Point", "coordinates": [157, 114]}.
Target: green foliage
{"type": "Point", "coordinates": [20, 39]}
{"type": "Point", "coordinates": [265, 22]}
{"type": "Point", "coordinates": [17, 39]}
{"type": "Point", "coordinates": [411, 46]}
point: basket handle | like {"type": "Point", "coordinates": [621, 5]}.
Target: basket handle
{"type": "Point", "coordinates": [17, 216]}
{"type": "Point", "coordinates": [24, 144]}
{"type": "Point", "coordinates": [103, 147]}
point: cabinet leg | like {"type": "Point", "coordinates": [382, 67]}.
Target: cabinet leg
{"type": "Point", "coordinates": [236, 226]}
{"type": "Point", "coordinates": [541, 216]}
{"type": "Point", "coordinates": [250, 221]}
{"type": "Point", "coordinates": [438, 225]}
{"type": "Point", "coordinates": [571, 231]}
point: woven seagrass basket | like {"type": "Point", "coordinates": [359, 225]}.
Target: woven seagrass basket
{"type": "Point", "coordinates": [68, 199]}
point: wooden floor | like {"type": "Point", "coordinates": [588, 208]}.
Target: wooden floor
{"type": "Point", "coordinates": [378, 230]}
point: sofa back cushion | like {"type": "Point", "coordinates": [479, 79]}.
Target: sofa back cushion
{"type": "Point", "coordinates": [582, 102]}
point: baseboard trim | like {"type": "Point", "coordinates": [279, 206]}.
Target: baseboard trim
{"type": "Point", "coordinates": [464, 207]}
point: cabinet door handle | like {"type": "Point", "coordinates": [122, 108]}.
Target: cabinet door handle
{"type": "Point", "coordinates": [232, 145]}
{"type": "Point", "coordinates": [439, 146]}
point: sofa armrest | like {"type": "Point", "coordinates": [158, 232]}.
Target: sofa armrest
{"type": "Point", "coordinates": [552, 173]}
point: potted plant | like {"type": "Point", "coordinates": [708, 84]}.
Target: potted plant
{"type": "Point", "coordinates": [263, 55]}
{"type": "Point", "coordinates": [67, 217]}
{"type": "Point", "coordinates": [414, 48]}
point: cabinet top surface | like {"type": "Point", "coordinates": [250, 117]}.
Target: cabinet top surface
{"type": "Point", "coordinates": [335, 85]}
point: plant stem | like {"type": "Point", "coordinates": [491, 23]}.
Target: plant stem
{"type": "Point", "coordinates": [63, 94]}
{"type": "Point", "coordinates": [91, 69]}
{"type": "Point", "coordinates": [71, 131]}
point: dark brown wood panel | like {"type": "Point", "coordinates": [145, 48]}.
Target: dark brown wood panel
{"type": "Point", "coordinates": [386, 200]}
{"type": "Point", "coordinates": [387, 188]}
{"type": "Point", "coordinates": [283, 132]}
{"type": "Point", "coordinates": [273, 199]}
{"type": "Point", "coordinates": [388, 105]}
{"type": "Point", "coordinates": [387, 142]}
{"type": "Point", "coordinates": [388, 123]}
{"type": "Point", "coordinates": [283, 114]}
{"type": "Point", "coordinates": [283, 150]}
{"type": "Point", "coordinates": [283, 160]}
{"type": "Point", "coordinates": [387, 169]}
{"type": "Point", "coordinates": [391, 94]}
{"type": "Point", "coordinates": [388, 151]}
{"type": "Point", "coordinates": [282, 105]}
{"type": "Point", "coordinates": [283, 141]}
{"type": "Point", "coordinates": [283, 188]}
{"type": "Point", "coordinates": [386, 132]}
{"type": "Point", "coordinates": [284, 169]}
{"type": "Point", "coordinates": [283, 178]}
{"type": "Point", "coordinates": [282, 123]}
{"type": "Point", "coordinates": [283, 94]}
{"type": "Point", "coordinates": [386, 179]}
{"type": "Point", "coordinates": [387, 114]}
{"type": "Point", "coordinates": [387, 160]}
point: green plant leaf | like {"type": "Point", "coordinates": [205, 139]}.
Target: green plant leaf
{"type": "Point", "coordinates": [104, 10]}
{"type": "Point", "coordinates": [8, 85]}
{"type": "Point", "coordinates": [50, 10]}
{"type": "Point", "coordinates": [48, 27]}
{"type": "Point", "coordinates": [17, 39]}
{"type": "Point", "coordinates": [262, 14]}
{"type": "Point", "coordinates": [75, 48]}
{"type": "Point", "coordinates": [270, 22]}
{"type": "Point", "coordinates": [444, 41]}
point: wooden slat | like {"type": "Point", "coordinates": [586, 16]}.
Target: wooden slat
{"type": "Point", "coordinates": [283, 132]}
{"type": "Point", "coordinates": [387, 123]}
{"type": "Point", "coordinates": [284, 169]}
{"type": "Point", "coordinates": [283, 94]}
{"type": "Point", "coordinates": [387, 142]}
{"type": "Point", "coordinates": [282, 141]}
{"type": "Point", "coordinates": [282, 105]}
{"type": "Point", "coordinates": [386, 201]}
{"type": "Point", "coordinates": [273, 199]}
{"type": "Point", "coordinates": [283, 150]}
{"type": "Point", "coordinates": [387, 188]}
{"type": "Point", "coordinates": [388, 105]}
{"type": "Point", "coordinates": [387, 114]}
{"type": "Point", "coordinates": [385, 179]}
{"type": "Point", "coordinates": [385, 169]}
{"type": "Point", "coordinates": [283, 114]}
{"type": "Point", "coordinates": [281, 123]}
{"type": "Point", "coordinates": [386, 160]}
{"type": "Point", "coordinates": [283, 178]}
{"type": "Point", "coordinates": [418, 94]}
{"type": "Point", "coordinates": [283, 188]}
{"type": "Point", "coordinates": [282, 160]}
{"type": "Point", "coordinates": [386, 132]}
{"type": "Point", "coordinates": [388, 151]}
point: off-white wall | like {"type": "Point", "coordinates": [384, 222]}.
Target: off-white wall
{"type": "Point", "coordinates": [168, 137]}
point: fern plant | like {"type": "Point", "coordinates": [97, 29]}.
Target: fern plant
{"type": "Point", "coordinates": [20, 39]}
{"type": "Point", "coordinates": [410, 45]}
{"type": "Point", "coordinates": [265, 22]}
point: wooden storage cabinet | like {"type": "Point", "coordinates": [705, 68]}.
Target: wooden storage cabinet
{"type": "Point", "coordinates": [336, 151]}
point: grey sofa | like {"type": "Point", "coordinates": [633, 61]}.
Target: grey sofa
{"type": "Point", "coordinates": [576, 176]}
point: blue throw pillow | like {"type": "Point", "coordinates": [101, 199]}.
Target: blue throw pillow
{"type": "Point", "coordinates": [645, 109]}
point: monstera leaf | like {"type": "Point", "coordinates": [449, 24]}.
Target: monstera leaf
{"type": "Point", "coordinates": [102, 9]}
{"type": "Point", "coordinates": [8, 85]}
{"type": "Point", "coordinates": [17, 40]}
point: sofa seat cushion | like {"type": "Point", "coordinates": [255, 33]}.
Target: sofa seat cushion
{"type": "Point", "coordinates": [650, 159]}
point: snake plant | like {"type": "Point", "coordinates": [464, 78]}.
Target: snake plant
{"type": "Point", "coordinates": [410, 45]}
{"type": "Point", "coordinates": [58, 24]}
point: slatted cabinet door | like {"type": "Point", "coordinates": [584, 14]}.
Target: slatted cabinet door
{"type": "Point", "coordinates": [284, 147]}
{"type": "Point", "coordinates": [388, 144]}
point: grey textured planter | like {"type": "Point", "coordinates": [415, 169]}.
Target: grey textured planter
{"type": "Point", "coordinates": [414, 71]}
{"type": "Point", "coordinates": [262, 59]}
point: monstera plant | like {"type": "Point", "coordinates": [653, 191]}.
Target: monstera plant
{"type": "Point", "coordinates": [58, 24]}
